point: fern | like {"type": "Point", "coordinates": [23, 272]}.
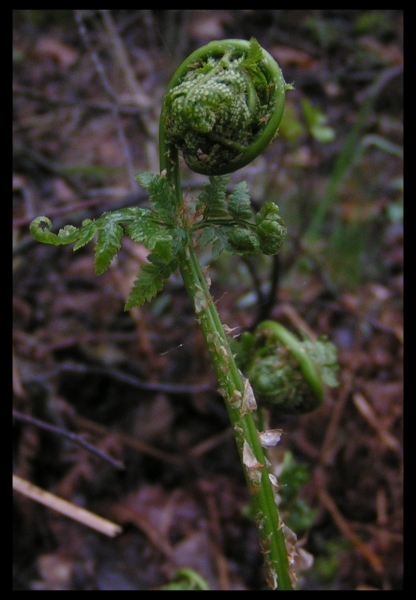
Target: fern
{"type": "Point", "coordinates": [222, 109]}
{"type": "Point", "coordinates": [85, 234]}
{"type": "Point", "coordinates": [150, 281]}
{"type": "Point", "coordinates": [218, 236]}
{"type": "Point", "coordinates": [157, 229]}
{"type": "Point", "coordinates": [148, 232]}
{"type": "Point", "coordinates": [208, 235]}
{"type": "Point", "coordinates": [160, 195]}
{"type": "Point", "coordinates": [230, 226]}
{"type": "Point", "coordinates": [226, 223]}
{"type": "Point", "coordinates": [108, 244]}
{"type": "Point", "coordinates": [239, 203]}
{"type": "Point", "coordinates": [254, 55]}
{"type": "Point", "coordinates": [212, 199]}
{"type": "Point", "coordinates": [41, 227]}
{"type": "Point", "coordinates": [251, 65]}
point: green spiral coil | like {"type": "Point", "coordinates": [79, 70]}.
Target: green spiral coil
{"type": "Point", "coordinates": [223, 106]}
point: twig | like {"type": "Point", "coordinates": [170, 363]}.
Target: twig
{"type": "Point", "coordinates": [169, 388]}
{"type": "Point", "coordinates": [132, 442]}
{"type": "Point", "coordinates": [69, 435]}
{"type": "Point", "coordinates": [344, 527]}
{"type": "Point", "coordinates": [124, 110]}
{"type": "Point", "coordinates": [104, 80]}
{"type": "Point", "coordinates": [131, 82]}
{"type": "Point", "coordinates": [122, 59]}
{"type": "Point", "coordinates": [66, 508]}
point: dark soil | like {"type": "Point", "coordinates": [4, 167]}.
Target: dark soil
{"type": "Point", "coordinates": [138, 385]}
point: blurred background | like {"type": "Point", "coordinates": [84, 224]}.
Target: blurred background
{"type": "Point", "coordinates": [137, 385]}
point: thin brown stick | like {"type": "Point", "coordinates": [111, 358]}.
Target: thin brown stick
{"type": "Point", "coordinates": [65, 508]}
{"type": "Point", "coordinates": [79, 16]}
{"type": "Point", "coordinates": [77, 439]}
{"type": "Point", "coordinates": [345, 528]}
{"type": "Point", "coordinates": [123, 109]}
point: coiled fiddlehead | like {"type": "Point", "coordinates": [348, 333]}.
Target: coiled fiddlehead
{"type": "Point", "coordinates": [223, 106]}
{"type": "Point", "coordinates": [286, 373]}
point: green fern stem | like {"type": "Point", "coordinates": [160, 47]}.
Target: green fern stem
{"type": "Point", "coordinates": [222, 108]}
{"type": "Point", "coordinates": [233, 386]}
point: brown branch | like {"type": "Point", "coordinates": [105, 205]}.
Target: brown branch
{"type": "Point", "coordinates": [66, 508]}
{"type": "Point", "coordinates": [124, 110]}
{"type": "Point", "coordinates": [77, 439]}
{"type": "Point", "coordinates": [344, 526]}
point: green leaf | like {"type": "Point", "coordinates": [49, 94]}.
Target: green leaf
{"type": "Point", "coordinates": [205, 66]}
{"type": "Point", "coordinates": [220, 244]}
{"type": "Point", "coordinates": [212, 199]}
{"type": "Point", "coordinates": [86, 233]}
{"type": "Point", "coordinates": [255, 53]}
{"type": "Point", "coordinates": [148, 232]}
{"type": "Point", "coordinates": [68, 234]}
{"type": "Point", "coordinates": [124, 215]}
{"type": "Point", "coordinates": [108, 243]}
{"type": "Point", "coordinates": [218, 236]}
{"type": "Point", "coordinates": [160, 193]}
{"type": "Point", "coordinates": [270, 228]}
{"type": "Point", "coordinates": [208, 235]}
{"type": "Point", "coordinates": [40, 228]}
{"type": "Point", "coordinates": [239, 202]}
{"type": "Point", "coordinates": [325, 355]}
{"type": "Point", "coordinates": [143, 228]}
{"type": "Point", "coordinates": [251, 64]}
{"type": "Point", "coordinates": [243, 241]}
{"type": "Point", "coordinates": [150, 280]}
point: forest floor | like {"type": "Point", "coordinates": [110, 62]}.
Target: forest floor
{"type": "Point", "coordinates": [138, 385]}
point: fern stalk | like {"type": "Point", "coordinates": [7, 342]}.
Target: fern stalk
{"type": "Point", "coordinates": [221, 110]}
{"type": "Point", "coordinates": [231, 382]}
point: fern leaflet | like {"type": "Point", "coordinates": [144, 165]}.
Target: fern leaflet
{"type": "Point", "coordinates": [212, 199]}
{"type": "Point", "coordinates": [150, 280]}
{"type": "Point", "coordinates": [108, 243]}
{"type": "Point", "coordinates": [239, 202]}
{"type": "Point", "coordinates": [160, 194]}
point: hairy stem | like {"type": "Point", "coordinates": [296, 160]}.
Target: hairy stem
{"type": "Point", "coordinates": [232, 388]}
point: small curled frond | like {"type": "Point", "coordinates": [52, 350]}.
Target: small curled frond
{"type": "Point", "coordinates": [153, 228]}
{"type": "Point", "coordinates": [41, 227]}
{"type": "Point", "coordinates": [270, 229]}
{"type": "Point", "coordinates": [227, 221]}
{"type": "Point", "coordinates": [223, 106]}
{"type": "Point", "coordinates": [286, 373]}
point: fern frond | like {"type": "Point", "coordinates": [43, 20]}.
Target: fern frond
{"type": "Point", "coordinates": [155, 236]}
{"type": "Point", "coordinates": [239, 202]}
{"type": "Point", "coordinates": [218, 236]}
{"type": "Point", "coordinates": [212, 199]}
{"type": "Point", "coordinates": [108, 244]}
{"type": "Point", "coordinates": [251, 65]}
{"type": "Point", "coordinates": [160, 193]}
{"type": "Point", "coordinates": [150, 280]}
{"type": "Point", "coordinates": [41, 227]}
{"type": "Point", "coordinates": [254, 55]}
{"type": "Point", "coordinates": [86, 232]}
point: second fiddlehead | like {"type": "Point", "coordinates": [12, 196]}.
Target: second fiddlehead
{"type": "Point", "coordinates": [287, 374]}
